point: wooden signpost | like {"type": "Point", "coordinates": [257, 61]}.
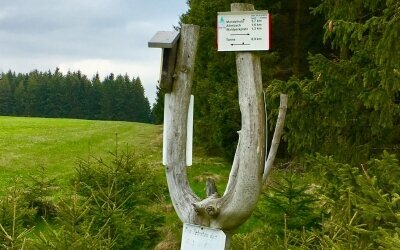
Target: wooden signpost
{"type": "Point", "coordinates": [209, 222]}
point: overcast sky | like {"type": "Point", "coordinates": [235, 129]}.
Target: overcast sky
{"type": "Point", "coordinates": [105, 36]}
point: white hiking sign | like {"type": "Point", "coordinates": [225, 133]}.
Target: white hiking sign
{"type": "Point", "coordinates": [243, 31]}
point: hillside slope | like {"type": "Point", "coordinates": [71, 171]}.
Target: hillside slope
{"type": "Point", "coordinates": [57, 144]}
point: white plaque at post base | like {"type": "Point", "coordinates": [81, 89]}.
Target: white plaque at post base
{"type": "Point", "coordinates": [196, 237]}
{"type": "Point", "coordinates": [243, 31]}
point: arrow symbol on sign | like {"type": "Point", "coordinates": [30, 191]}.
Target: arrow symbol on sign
{"type": "Point", "coordinates": [248, 34]}
{"type": "Point", "coordinates": [239, 44]}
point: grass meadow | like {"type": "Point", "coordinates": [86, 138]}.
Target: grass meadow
{"type": "Point", "coordinates": [27, 144]}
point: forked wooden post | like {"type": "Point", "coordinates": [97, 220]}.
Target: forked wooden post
{"type": "Point", "coordinates": [250, 167]}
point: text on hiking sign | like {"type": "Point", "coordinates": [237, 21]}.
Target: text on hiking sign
{"type": "Point", "coordinates": [243, 31]}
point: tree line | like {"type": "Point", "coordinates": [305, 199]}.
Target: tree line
{"type": "Point", "coordinates": [73, 95]}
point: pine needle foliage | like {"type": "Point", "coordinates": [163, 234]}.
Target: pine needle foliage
{"type": "Point", "coordinates": [74, 228]}
{"type": "Point", "coordinates": [39, 192]}
{"type": "Point", "coordinates": [120, 193]}
{"type": "Point", "coordinates": [16, 218]}
{"type": "Point", "coordinates": [362, 204]}
{"type": "Point", "coordinates": [349, 107]}
{"type": "Point", "coordinates": [109, 208]}
{"type": "Point", "coordinates": [289, 204]}
{"type": "Point", "coordinates": [337, 206]}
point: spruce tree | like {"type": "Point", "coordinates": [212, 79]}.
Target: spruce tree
{"type": "Point", "coordinates": [349, 107]}
{"type": "Point", "coordinates": [141, 102]}
{"type": "Point", "coordinates": [6, 103]}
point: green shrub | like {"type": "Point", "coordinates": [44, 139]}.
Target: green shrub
{"type": "Point", "coordinates": [16, 218]}
{"type": "Point", "coordinates": [72, 228]}
{"type": "Point", "coordinates": [110, 207]}
{"type": "Point", "coordinates": [122, 192]}
{"type": "Point", "coordinates": [362, 204]}
{"type": "Point", "coordinates": [39, 192]}
{"type": "Point", "coordinates": [338, 206]}
{"type": "Point", "coordinates": [289, 204]}
{"type": "Point", "coordinates": [261, 238]}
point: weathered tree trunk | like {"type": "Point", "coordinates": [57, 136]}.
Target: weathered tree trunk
{"type": "Point", "coordinates": [181, 194]}
{"type": "Point", "coordinates": [250, 167]}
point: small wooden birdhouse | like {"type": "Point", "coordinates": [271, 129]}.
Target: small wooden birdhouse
{"type": "Point", "coordinates": [168, 41]}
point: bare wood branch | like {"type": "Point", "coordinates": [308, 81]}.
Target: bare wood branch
{"type": "Point", "coordinates": [181, 194]}
{"type": "Point", "coordinates": [211, 188]}
{"type": "Point", "coordinates": [266, 125]}
{"type": "Point", "coordinates": [277, 136]}
{"type": "Point", "coordinates": [234, 170]}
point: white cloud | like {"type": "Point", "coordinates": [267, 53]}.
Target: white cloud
{"type": "Point", "coordinates": [148, 72]}
{"type": "Point", "coordinates": [3, 14]}
{"type": "Point", "coordinates": [105, 36]}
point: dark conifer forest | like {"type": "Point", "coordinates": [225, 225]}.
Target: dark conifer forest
{"type": "Point", "coordinates": [338, 61]}
{"type": "Point", "coordinates": [73, 95]}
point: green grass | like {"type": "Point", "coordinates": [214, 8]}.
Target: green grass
{"type": "Point", "coordinates": [26, 144]}
{"type": "Point", "coordinates": [204, 167]}
{"type": "Point", "coordinates": [57, 144]}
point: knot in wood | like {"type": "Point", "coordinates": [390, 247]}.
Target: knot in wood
{"type": "Point", "coordinates": [212, 211]}
{"type": "Point", "coordinates": [208, 207]}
